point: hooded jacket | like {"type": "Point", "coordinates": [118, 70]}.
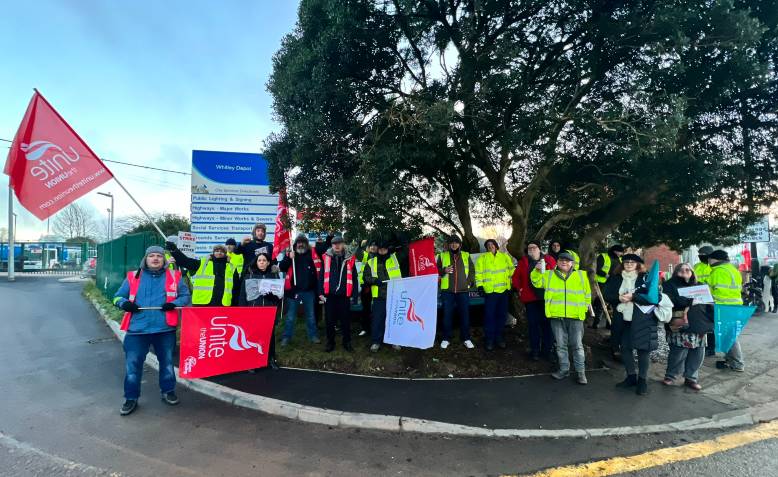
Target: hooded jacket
{"type": "Point", "coordinates": [338, 274]}
{"type": "Point", "coordinates": [306, 278]}
{"type": "Point", "coordinates": [254, 248]}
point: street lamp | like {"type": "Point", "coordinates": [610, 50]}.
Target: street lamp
{"type": "Point", "coordinates": [110, 214]}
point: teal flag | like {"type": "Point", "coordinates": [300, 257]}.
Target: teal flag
{"type": "Point", "coordinates": [651, 291]}
{"type": "Point", "coordinates": [729, 322]}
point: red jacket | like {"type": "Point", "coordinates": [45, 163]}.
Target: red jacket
{"type": "Point", "coordinates": [521, 281]}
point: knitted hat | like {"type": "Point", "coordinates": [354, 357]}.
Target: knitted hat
{"type": "Point", "coordinates": [454, 239]}
{"type": "Point", "coordinates": [705, 250]}
{"type": "Point", "coordinates": [230, 241]}
{"type": "Point", "coordinates": [149, 251]}
{"type": "Point", "coordinates": [616, 248]}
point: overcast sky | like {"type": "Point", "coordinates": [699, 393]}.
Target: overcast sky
{"type": "Point", "coordinates": [143, 82]}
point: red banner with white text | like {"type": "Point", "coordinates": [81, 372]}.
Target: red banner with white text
{"type": "Point", "coordinates": [49, 166]}
{"type": "Point", "coordinates": [421, 257]}
{"type": "Point", "coordinates": [221, 340]}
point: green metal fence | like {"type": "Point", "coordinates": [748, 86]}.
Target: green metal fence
{"type": "Point", "coordinates": [120, 255]}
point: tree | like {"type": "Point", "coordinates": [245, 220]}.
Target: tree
{"type": "Point", "coordinates": [649, 121]}
{"type": "Point", "coordinates": [75, 220]}
{"type": "Point", "coordinates": [170, 224]}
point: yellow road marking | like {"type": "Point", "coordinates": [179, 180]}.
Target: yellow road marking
{"type": "Point", "coordinates": [659, 457]}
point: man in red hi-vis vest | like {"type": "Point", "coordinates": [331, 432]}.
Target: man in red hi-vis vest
{"type": "Point", "coordinates": [301, 285]}
{"type": "Point", "coordinates": [149, 296]}
{"type": "Point", "coordinates": [338, 284]}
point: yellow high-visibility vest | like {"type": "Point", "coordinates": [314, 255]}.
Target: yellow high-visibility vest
{"type": "Point", "coordinates": [565, 297]}
{"type": "Point", "coordinates": [726, 284]}
{"type": "Point", "coordinates": [204, 279]}
{"type": "Point", "coordinates": [445, 261]}
{"type": "Point", "coordinates": [392, 269]}
{"type": "Point", "coordinates": [493, 272]}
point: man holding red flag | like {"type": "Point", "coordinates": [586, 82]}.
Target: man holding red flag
{"type": "Point", "coordinates": [149, 297]}
{"type": "Point", "coordinates": [49, 165]}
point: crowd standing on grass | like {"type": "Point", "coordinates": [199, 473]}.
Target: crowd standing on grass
{"type": "Point", "coordinates": [556, 292]}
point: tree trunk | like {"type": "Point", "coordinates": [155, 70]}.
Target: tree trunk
{"type": "Point", "coordinates": [462, 207]}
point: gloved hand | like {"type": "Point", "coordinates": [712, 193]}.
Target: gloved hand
{"type": "Point", "coordinates": [170, 246]}
{"type": "Point", "coordinates": [168, 306]}
{"type": "Point", "coordinates": [275, 269]}
{"type": "Point", "coordinates": [130, 307]}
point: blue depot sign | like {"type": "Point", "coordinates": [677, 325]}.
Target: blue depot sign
{"type": "Point", "coordinates": [230, 193]}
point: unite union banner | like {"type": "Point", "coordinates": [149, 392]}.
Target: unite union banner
{"type": "Point", "coordinates": [221, 340]}
{"type": "Point", "coordinates": [421, 255]}
{"type": "Point", "coordinates": [49, 166]}
{"type": "Point", "coordinates": [412, 311]}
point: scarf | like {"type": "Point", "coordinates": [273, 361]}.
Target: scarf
{"type": "Point", "coordinates": [627, 286]}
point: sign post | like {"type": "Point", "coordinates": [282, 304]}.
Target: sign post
{"type": "Point", "coordinates": [230, 193]}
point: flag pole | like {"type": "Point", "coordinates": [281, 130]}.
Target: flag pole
{"type": "Point", "coordinates": [164, 237]}
{"type": "Point", "coordinates": [11, 231]}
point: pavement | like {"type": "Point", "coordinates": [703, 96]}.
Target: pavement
{"type": "Point", "coordinates": [61, 382]}
{"type": "Point", "coordinates": [508, 406]}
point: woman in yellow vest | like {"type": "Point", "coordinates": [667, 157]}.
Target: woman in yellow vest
{"type": "Point", "coordinates": [378, 270]}
{"type": "Point", "coordinates": [493, 272]}
{"type": "Point", "coordinates": [567, 297]}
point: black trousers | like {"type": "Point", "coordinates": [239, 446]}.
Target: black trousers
{"type": "Point", "coordinates": [366, 297]}
{"type": "Point", "coordinates": [338, 310]}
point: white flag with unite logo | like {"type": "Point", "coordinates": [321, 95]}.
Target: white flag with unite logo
{"type": "Point", "coordinates": [412, 311]}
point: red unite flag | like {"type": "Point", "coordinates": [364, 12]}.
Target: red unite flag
{"type": "Point", "coordinates": [422, 257]}
{"type": "Point", "coordinates": [282, 237]}
{"type": "Point", "coordinates": [220, 340]}
{"type": "Point", "coordinates": [49, 165]}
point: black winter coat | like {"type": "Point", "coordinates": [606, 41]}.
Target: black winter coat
{"type": "Point", "coordinates": [264, 300]}
{"type": "Point", "coordinates": [700, 316]}
{"type": "Point", "coordinates": [305, 274]}
{"type": "Point", "coordinates": [641, 333]}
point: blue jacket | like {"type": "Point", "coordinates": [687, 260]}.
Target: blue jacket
{"type": "Point", "coordinates": [151, 292]}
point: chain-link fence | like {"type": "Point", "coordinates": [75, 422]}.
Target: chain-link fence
{"type": "Point", "coordinates": [117, 257]}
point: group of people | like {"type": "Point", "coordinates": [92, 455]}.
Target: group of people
{"type": "Point", "coordinates": [555, 291]}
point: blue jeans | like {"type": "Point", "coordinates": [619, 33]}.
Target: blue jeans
{"type": "Point", "coordinates": [378, 322]}
{"type": "Point", "coordinates": [539, 327]}
{"type": "Point", "coordinates": [461, 301]}
{"type": "Point", "coordinates": [495, 315]}
{"type": "Point", "coordinates": [307, 298]}
{"type": "Point", "coordinates": [136, 347]}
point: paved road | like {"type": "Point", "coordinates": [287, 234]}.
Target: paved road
{"type": "Point", "coordinates": [61, 386]}
{"type": "Point", "coordinates": [753, 460]}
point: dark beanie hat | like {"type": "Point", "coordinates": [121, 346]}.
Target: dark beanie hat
{"type": "Point", "coordinates": [617, 248]}
{"type": "Point", "coordinates": [719, 255]}
{"type": "Point", "coordinates": [230, 241]}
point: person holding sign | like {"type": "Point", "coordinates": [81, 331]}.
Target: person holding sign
{"type": "Point", "coordinates": [687, 329]}
{"type": "Point", "coordinates": [726, 285]}
{"type": "Point", "coordinates": [252, 293]}
{"type": "Point", "coordinates": [149, 297]}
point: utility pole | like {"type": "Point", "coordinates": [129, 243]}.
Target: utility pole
{"type": "Point", "coordinates": [110, 214]}
{"type": "Point", "coordinates": [11, 233]}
